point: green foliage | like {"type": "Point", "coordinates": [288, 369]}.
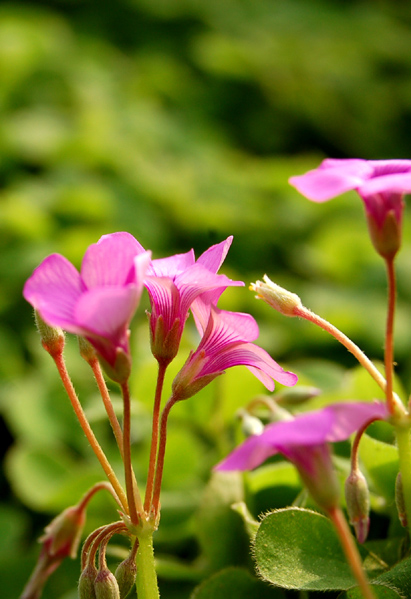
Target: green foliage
{"type": "Point", "coordinates": [180, 121]}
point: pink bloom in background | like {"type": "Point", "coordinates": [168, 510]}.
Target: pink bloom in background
{"type": "Point", "coordinates": [97, 303]}
{"type": "Point", "coordinates": [380, 183]}
{"type": "Point", "coordinates": [227, 342]}
{"type": "Point", "coordinates": [178, 283]}
{"type": "Point", "coordinates": [303, 441]}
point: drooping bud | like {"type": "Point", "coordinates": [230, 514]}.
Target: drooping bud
{"type": "Point", "coordinates": [277, 297]}
{"type": "Point", "coordinates": [400, 502]}
{"type": "Point", "coordinates": [296, 396]}
{"type": "Point", "coordinates": [250, 424]}
{"type": "Point", "coordinates": [52, 338]}
{"type": "Point", "coordinates": [62, 536]}
{"type": "Point", "coordinates": [357, 497]}
{"type": "Point", "coordinates": [105, 585]}
{"type": "Point", "coordinates": [126, 576]}
{"type": "Point", "coordinates": [86, 582]}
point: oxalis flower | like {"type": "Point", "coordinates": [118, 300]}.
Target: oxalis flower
{"type": "Point", "coordinates": [380, 183]}
{"type": "Point", "coordinates": [97, 303]}
{"type": "Point", "coordinates": [227, 342]}
{"type": "Point", "coordinates": [304, 441]}
{"type": "Point", "coordinates": [178, 283]}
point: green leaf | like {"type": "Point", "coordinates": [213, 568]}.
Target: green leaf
{"type": "Point", "coordinates": [392, 584]}
{"type": "Point", "coordinates": [381, 461]}
{"type": "Point", "coordinates": [299, 549]}
{"type": "Point", "coordinates": [234, 582]}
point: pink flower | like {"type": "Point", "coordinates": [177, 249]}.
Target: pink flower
{"type": "Point", "coordinates": [97, 303]}
{"type": "Point", "coordinates": [380, 183]}
{"type": "Point", "coordinates": [175, 285]}
{"type": "Point", "coordinates": [227, 342]}
{"type": "Point", "coordinates": [303, 440]}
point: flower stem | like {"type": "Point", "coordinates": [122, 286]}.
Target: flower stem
{"type": "Point", "coordinates": [68, 385]}
{"type": "Point", "coordinates": [154, 436]}
{"type": "Point", "coordinates": [155, 506]}
{"type": "Point", "coordinates": [147, 587]}
{"type": "Point", "coordinates": [350, 550]}
{"type": "Point", "coordinates": [344, 340]}
{"type": "Point", "coordinates": [389, 334]}
{"type": "Point", "coordinates": [133, 495]}
{"type": "Point", "coordinates": [102, 387]}
{"type": "Point", "coordinates": [404, 453]}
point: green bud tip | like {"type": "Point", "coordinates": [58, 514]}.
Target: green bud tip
{"type": "Point", "coordinates": [126, 576]}
{"type": "Point", "coordinates": [86, 582]}
{"type": "Point", "coordinates": [277, 297]}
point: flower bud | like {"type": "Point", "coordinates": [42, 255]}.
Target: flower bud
{"type": "Point", "coordinates": [52, 338]}
{"type": "Point", "coordinates": [105, 585]}
{"type": "Point", "coordinates": [86, 582]}
{"type": "Point", "coordinates": [277, 297]}
{"type": "Point", "coordinates": [357, 497]}
{"type": "Point", "coordinates": [296, 395]}
{"type": "Point", "coordinates": [400, 502]}
{"type": "Point", "coordinates": [126, 576]}
{"type": "Point", "coordinates": [250, 424]}
{"type": "Point", "coordinates": [62, 536]}
{"type": "Point", "coordinates": [87, 351]}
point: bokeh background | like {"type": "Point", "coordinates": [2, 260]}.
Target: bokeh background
{"type": "Point", "coordinates": [181, 121]}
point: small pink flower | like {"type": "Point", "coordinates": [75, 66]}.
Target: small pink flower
{"type": "Point", "coordinates": [380, 183]}
{"type": "Point", "coordinates": [227, 342]}
{"type": "Point", "coordinates": [178, 283]}
{"type": "Point", "coordinates": [97, 303]}
{"type": "Point", "coordinates": [303, 440]}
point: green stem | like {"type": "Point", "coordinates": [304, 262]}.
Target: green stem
{"type": "Point", "coordinates": [147, 587]}
{"type": "Point", "coordinates": [404, 453]}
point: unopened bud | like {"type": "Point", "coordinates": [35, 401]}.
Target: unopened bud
{"type": "Point", "coordinates": [399, 501]}
{"type": "Point", "coordinates": [126, 576]}
{"type": "Point", "coordinates": [357, 497]}
{"type": "Point", "coordinates": [52, 338]}
{"type": "Point", "coordinates": [87, 351]}
{"type": "Point", "coordinates": [86, 582]}
{"type": "Point", "coordinates": [296, 395]}
{"type": "Point", "coordinates": [62, 536]}
{"type": "Point", "coordinates": [250, 424]}
{"type": "Point", "coordinates": [105, 585]}
{"type": "Point", "coordinates": [277, 297]}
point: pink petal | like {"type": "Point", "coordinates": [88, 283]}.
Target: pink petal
{"type": "Point", "coordinates": [110, 261]}
{"type": "Point", "coordinates": [398, 183]}
{"type": "Point", "coordinates": [213, 258]}
{"type": "Point", "coordinates": [107, 311]}
{"type": "Point", "coordinates": [165, 299]}
{"type": "Point", "coordinates": [332, 178]}
{"type": "Point", "coordinates": [171, 266]}
{"type": "Point", "coordinates": [53, 289]}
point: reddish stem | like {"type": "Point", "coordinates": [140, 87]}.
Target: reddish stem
{"type": "Point", "coordinates": [389, 335]}
{"type": "Point", "coordinates": [133, 495]}
{"type": "Point", "coordinates": [155, 506]}
{"type": "Point", "coordinates": [68, 385]}
{"type": "Point", "coordinates": [154, 436]}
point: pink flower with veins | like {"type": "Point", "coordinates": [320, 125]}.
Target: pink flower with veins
{"type": "Point", "coordinates": [178, 283]}
{"type": "Point", "coordinates": [380, 183]}
{"type": "Point", "coordinates": [227, 342]}
{"type": "Point", "coordinates": [97, 303]}
{"type": "Point", "coordinates": [304, 441]}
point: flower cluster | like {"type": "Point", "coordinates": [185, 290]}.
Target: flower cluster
{"type": "Point", "coordinates": [99, 302]}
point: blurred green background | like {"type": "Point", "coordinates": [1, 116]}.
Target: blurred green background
{"type": "Point", "coordinates": [180, 121]}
